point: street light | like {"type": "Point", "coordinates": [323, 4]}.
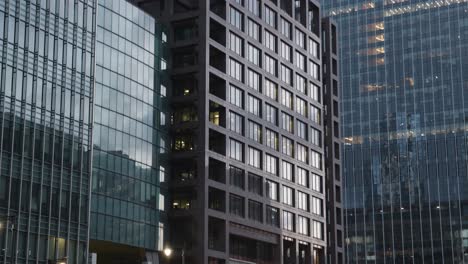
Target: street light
{"type": "Point", "coordinates": [168, 252]}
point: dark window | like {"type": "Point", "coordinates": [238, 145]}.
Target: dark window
{"type": "Point", "coordinates": [255, 211]}
{"type": "Point", "coordinates": [272, 216]}
{"type": "Point", "coordinates": [236, 177]}
{"type": "Point", "coordinates": [255, 184]}
{"type": "Point", "coordinates": [236, 205]}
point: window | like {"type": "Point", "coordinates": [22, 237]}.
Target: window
{"type": "Point", "coordinates": [236, 150]}
{"type": "Point", "coordinates": [253, 30]}
{"type": "Point", "coordinates": [255, 184]}
{"type": "Point", "coordinates": [270, 17]}
{"type": "Point", "coordinates": [288, 221]}
{"type": "Point", "coordinates": [286, 98]}
{"type": "Point", "coordinates": [300, 38]}
{"type": "Point", "coordinates": [271, 114]}
{"type": "Point", "coordinates": [317, 229]}
{"type": "Point", "coordinates": [271, 65]}
{"type": "Point", "coordinates": [287, 170]}
{"type": "Point", "coordinates": [255, 211]}
{"type": "Point", "coordinates": [301, 153]}
{"type": "Point", "coordinates": [271, 190]}
{"type": "Point", "coordinates": [272, 216]}
{"type": "Point", "coordinates": [287, 122]}
{"type": "Point", "coordinates": [271, 89]}
{"type": "Point", "coordinates": [271, 164]}
{"type": "Point", "coordinates": [301, 107]}
{"type": "Point", "coordinates": [313, 48]}
{"type": "Point", "coordinates": [317, 207]}
{"type": "Point", "coordinates": [236, 70]}
{"type": "Point", "coordinates": [303, 201]}
{"type": "Point", "coordinates": [253, 54]}
{"type": "Point", "coordinates": [316, 160]}
{"type": "Point", "coordinates": [236, 205]}
{"type": "Point", "coordinates": [314, 92]}
{"type": "Point", "coordinates": [303, 225]}
{"type": "Point", "coordinates": [236, 96]}
{"type": "Point", "coordinates": [285, 51]}
{"type": "Point", "coordinates": [270, 41]}
{"type": "Point", "coordinates": [302, 177]}
{"type": "Point", "coordinates": [315, 137]}
{"type": "Point", "coordinates": [286, 74]}
{"type": "Point", "coordinates": [255, 157]}
{"type": "Point", "coordinates": [288, 195]}
{"type": "Point", "coordinates": [254, 6]}
{"type": "Point", "coordinates": [236, 44]}
{"type": "Point", "coordinates": [314, 114]}
{"type": "Point", "coordinates": [285, 28]}
{"type": "Point", "coordinates": [253, 105]}
{"type": "Point", "coordinates": [314, 70]}
{"type": "Point", "coordinates": [317, 183]}
{"type": "Point", "coordinates": [236, 177]}
{"type": "Point", "coordinates": [301, 84]}
{"type": "Point", "coordinates": [236, 123]}
{"type": "Point", "coordinates": [236, 18]}
{"type": "Point", "coordinates": [255, 131]}
{"type": "Point", "coordinates": [300, 61]}
{"type": "Point", "coordinates": [253, 80]}
{"type": "Point", "coordinates": [301, 130]}
{"type": "Point", "coordinates": [271, 139]}
{"type": "Point", "coordinates": [288, 146]}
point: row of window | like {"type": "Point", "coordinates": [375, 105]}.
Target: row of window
{"type": "Point", "coordinates": [255, 157]}
{"type": "Point", "coordinates": [236, 19]}
{"type": "Point", "coordinates": [270, 65]}
{"type": "Point", "coordinates": [255, 182]}
{"type": "Point", "coordinates": [257, 132]}
{"type": "Point", "coordinates": [304, 225]}
{"type": "Point", "coordinates": [271, 113]}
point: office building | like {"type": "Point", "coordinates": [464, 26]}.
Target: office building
{"type": "Point", "coordinates": [93, 161]}
{"type": "Point", "coordinates": [59, 61]}
{"type": "Point", "coordinates": [247, 131]}
{"type": "Point", "coordinates": [130, 139]}
{"type": "Point", "coordinates": [404, 122]}
{"type": "Point", "coordinates": [46, 102]}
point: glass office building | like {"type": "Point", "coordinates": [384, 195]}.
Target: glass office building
{"type": "Point", "coordinates": [404, 122]}
{"type": "Point", "coordinates": [46, 98]}
{"type": "Point", "coordinates": [130, 136]}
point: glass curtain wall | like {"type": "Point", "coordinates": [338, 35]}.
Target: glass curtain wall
{"type": "Point", "coordinates": [404, 73]}
{"type": "Point", "coordinates": [46, 98]}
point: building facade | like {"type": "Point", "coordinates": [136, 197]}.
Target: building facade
{"type": "Point", "coordinates": [248, 177]}
{"type": "Point", "coordinates": [46, 102]}
{"type": "Point", "coordinates": [332, 142]}
{"type": "Point", "coordinates": [404, 122]}
{"type": "Point", "coordinates": [130, 136]}
{"type": "Point", "coordinates": [50, 84]}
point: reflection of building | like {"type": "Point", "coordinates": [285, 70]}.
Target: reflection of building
{"type": "Point", "coordinates": [54, 56]}
{"type": "Point", "coordinates": [46, 87]}
{"type": "Point", "coordinates": [404, 114]}
{"type": "Point", "coordinates": [128, 216]}
{"type": "Point", "coordinates": [248, 177]}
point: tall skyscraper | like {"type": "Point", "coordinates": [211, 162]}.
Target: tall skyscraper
{"type": "Point", "coordinates": [46, 101]}
{"type": "Point", "coordinates": [248, 170]}
{"type": "Point", "coordinates": [130, 136]}
{"type": "Point", "coordinates": [404, 73]}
